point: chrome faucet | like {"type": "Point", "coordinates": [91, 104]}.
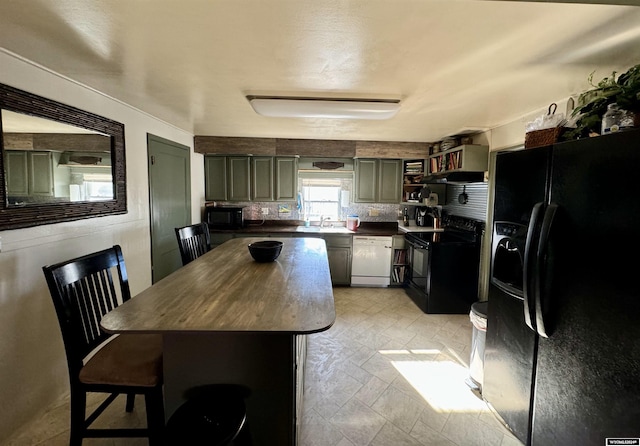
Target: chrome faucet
{"type": "Point", "coordinates": [323, 219]}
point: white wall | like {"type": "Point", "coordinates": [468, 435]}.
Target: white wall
{"type": "Point", "coordinates": [33, 372]}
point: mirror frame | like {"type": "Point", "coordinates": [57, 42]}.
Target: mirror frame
{"type": "Point", "coordinates": [19, 101]}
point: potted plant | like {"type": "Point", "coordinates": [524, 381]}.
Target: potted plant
{"type": "Point", "coordinates": [628, 98]}
{"type": "Point", "coordinates": [593, 103]}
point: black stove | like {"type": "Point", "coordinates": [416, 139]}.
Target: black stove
{"type": "Point", "coordinates": [444, 266]}
{"type": "Point", "coordinates": [456, 230]}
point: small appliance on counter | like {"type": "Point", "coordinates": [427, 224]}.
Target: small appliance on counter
{"type": "Point", "coordinates": [422, 216]}
{"type": "Point", "coordinates": [224, 217]}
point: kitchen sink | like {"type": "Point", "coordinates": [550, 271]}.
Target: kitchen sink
{"type": "Point", "coordinates": [325, 230]}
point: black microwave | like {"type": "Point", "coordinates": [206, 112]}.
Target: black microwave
{"type": "Point", "coordinates": [224, 217]}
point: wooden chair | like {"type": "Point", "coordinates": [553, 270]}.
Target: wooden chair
{"type": "Point", "coordinates": [193, 241]}
{"type": "Point", "coordinates": [83, 291]}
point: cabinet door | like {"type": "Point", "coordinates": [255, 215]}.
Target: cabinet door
{"type": "Point", "coordinates": [390, 172]}
{"type": "Point", "coordinates": [286, 178]}
{"type": "Point", "coordinates": [366, 173]}
{"type": "Point", "coordinates": [16, 169]}
{"type": "Point", "coordinates": [339, 265]}
{"type": "Point", "coordinates": [339, 255]}
{"type": "Point", "coordinates": [41, 174]}
{"type": "Point", "coordinates": [239, 178]}
{"type": "Point", "coordinates": [215, 178]}
{"type": "Point", "coordinates": [29, 173]}
{"type": "Point", "coordinates": [262, 178]}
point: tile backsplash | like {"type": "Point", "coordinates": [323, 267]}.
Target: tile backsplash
{"type": "Point", "coordinates": [476, 207]}
{"type": "Point", "coordinates": [371, 212]}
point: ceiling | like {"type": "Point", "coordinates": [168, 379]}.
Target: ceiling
{"type": "Point", "coordinates": [455, 65]}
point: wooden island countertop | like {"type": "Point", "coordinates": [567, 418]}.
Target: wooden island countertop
{"type": "Point", "coordinates": [226, 319]}
{"type": "Point", "coordinates": [227, 291]}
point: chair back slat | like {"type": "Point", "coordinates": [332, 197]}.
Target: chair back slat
{"type": "Point", "coordinates": [193, 241]}
{"type": "Point", "coordinates": [83, 291]}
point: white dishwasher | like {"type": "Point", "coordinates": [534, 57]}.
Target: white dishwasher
{"type": "Point", "coordinates": [371, 264]}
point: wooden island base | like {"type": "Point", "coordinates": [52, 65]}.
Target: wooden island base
{"type": "Point", "coordinates": [269, 365]}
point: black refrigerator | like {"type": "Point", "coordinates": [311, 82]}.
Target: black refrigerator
{"type": "Point", "coordinates": [562, 353]}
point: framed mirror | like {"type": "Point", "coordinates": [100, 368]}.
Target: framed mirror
{"type": "Point", "coordinates": [58, 163]}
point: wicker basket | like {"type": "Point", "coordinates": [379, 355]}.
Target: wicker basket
{"type": "Point", "coordinates": [544, 137]}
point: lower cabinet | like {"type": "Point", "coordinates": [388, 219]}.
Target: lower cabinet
{"type": "Point", "coordinates": [339, 254]}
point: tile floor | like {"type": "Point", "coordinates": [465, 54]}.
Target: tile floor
{"type": "Point", "coordinates": [385, 374]}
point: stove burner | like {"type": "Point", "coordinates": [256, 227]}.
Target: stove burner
{"type": "Point", "coordinates": [456, 229]}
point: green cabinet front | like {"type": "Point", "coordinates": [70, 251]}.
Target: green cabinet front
{"type": "Point", "coordinates": [366, 178]}
{"type": "Point", "coordinates": [262, 178]}
{"type": "Point", "coordinates": [286, 178]}
{"type": "Point", "coordinates": [215, 178]}
{"type": "Point", "coordinates": [378, 180]}
{"type": "Point", "coordinates": [389, 181]}
{"type": "Point", "coordinates": [339, 256]}
{"type": "Point", "coordinates": [239, 179]}
{"type": "Point", "coordinates": [248, 178]}
{"type": "Point", "coordinates": [29, 173]}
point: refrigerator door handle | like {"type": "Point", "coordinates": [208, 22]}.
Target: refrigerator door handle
{"type": "Point", "coordinates": [529, 266]}
{"type": "Point", "coordinates": [541, 258]}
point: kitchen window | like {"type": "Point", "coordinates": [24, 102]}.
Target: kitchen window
{"type": "Point", "coordinates": [325, 196]}
{"type": "Point", "coordinates": [92, 187]}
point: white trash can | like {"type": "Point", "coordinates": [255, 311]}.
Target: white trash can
{"type": "Point", "coordinates": [478, 316]}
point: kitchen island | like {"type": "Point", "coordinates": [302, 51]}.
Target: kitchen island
{"type": "Point", "coordinates": [228, 319]}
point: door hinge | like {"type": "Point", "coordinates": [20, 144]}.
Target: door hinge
{"type": "Point", "coordinates": [153, 160]}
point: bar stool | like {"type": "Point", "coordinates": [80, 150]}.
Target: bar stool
{"type": "Point", "coordinates": [213, 415]}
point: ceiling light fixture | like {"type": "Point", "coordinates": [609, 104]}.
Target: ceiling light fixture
{"type": "Point", "coordinates": [296, 107]}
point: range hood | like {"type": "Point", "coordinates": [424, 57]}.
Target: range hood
{"type": "Point", "coordinates": [85, 159]}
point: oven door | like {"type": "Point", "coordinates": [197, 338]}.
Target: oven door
{"type": "Point", "coordinates": [419, 259]}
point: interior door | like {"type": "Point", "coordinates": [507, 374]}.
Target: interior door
{"type": "Point", "coordinates": [170, 202]}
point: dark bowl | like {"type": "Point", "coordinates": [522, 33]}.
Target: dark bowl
{"type": "Point", "coordinates": [265, 251]}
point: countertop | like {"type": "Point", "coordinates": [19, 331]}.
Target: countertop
{"type": "Point", "coordinates": [275, 226]}
{"type": "Point", "coordinates": [415, 228]}
{"type": "Point", "coordinates": [366, 228]}
{"type": "Point", "coordinates": [225, 290]}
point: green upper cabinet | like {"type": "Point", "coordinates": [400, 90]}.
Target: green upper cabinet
{"type": "Point", "coordinates": [262, 178]}
{"type": "Point", "coordinates": [29, 173]}
{"type": "Point", "coordinates": [366, 186]}
{"type": "Point", "coordinates": [377, 180]}
{"type": "Point", "coordinates": [215, 178]}
{"type": "Point", "coordinates": [389, 181]}
{"type": "Point", "coordinates": [286, 178]}
{"type": "Point", "coordinates": [17, 170]}
{"type": "Point", "coordinates": [249, 178]}
{"type": "Point", "coordinates": [227, 178]}
{"type": "Point", "coordinates": [239, 178]}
